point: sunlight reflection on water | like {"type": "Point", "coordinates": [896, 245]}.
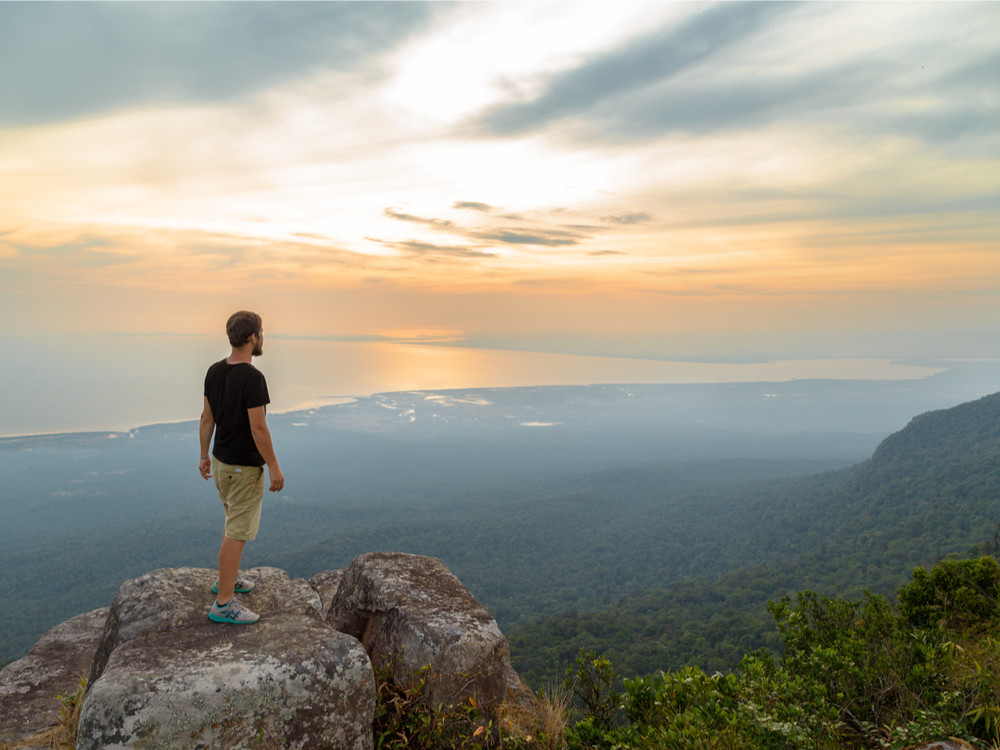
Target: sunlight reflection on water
{"type": "Point", "coordinates": [309, 373]}
{"type": "Point", "coordinates": [105, 382]}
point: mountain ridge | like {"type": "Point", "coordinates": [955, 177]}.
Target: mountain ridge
{"type": "Point", "coordinates": [930, 491]}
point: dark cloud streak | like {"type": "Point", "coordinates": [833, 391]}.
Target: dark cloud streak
{"type": "Point", "coordinates": [687, 78]}
{"type": "Point", "coordinates": [65, 60]}
{"type": "Point", "coordinates": [415, 247]}
{"type": "Point", "coordinates": [661, 55]}
{"type": "Point", "coordinates": [544, 238]}
{"type": "Point", "coordinates": [634, 217]}
{"type": "Point", "coordinates": [473, 206]}
{"type": "Point", "coordinates": [400, 216]}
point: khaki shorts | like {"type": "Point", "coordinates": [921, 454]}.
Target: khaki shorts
{"type": "Point", "coordinates": [241, 489]}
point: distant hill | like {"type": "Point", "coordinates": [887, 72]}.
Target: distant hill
{"type": "Point", "coordinates": [929, 491]}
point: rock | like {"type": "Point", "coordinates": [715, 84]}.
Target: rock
{"type": "Point", "coordinates": [326, 584]}
{"type": "Point", "coordinates": [410, 611]}
{"type": "Point", "coordinates": [163, 675]}
{"type": "Point", "coordinates": [289, 680]}
{"type": "Point", "coordinates": [30, 687]}
{"type": "Point", "coordinates": [166, 676]}
{"type": "Point", "coordinates": [176, 598]}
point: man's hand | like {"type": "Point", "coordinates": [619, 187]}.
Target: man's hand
{"type": "Point", "coordinates": [205, 467]}
{"type": "Point", "coordinates": [277, 479]}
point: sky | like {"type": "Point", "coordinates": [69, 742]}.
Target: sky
{"type": "Point", "coordinates": [666, 180]}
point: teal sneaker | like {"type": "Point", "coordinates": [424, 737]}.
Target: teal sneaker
{"type": "Point", "coordinates": [242, 587]}
{"type": "Point", "coordinates": [232, 612]}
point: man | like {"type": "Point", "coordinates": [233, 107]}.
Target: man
{"type": "Point", "coordinates": [236, 399]}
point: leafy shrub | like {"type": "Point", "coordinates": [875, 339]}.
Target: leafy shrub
{"type": "Point", "coordinates": [958, 595]}
{"type": "Point", "coordinates": [854, 674]}
{"type": "Point", "coordinates": [592, 682]}
{"type": "Point", "coordinates": [870, 667]}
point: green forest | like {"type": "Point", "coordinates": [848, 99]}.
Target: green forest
{"type": "Point", "coordinates": [861, 673]}
{"type": "Point", "coordinates": [656, 564]}
{"type": "Point", "coordinates": [929, 492]}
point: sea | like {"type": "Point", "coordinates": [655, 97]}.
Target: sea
{"type": "Point", "coordinates": [104, 382]}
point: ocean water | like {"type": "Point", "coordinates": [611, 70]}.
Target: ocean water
{"type": "Point", "coordinates": [97, 382]}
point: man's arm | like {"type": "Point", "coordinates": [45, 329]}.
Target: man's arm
{"type": "Point", "coordinates": [262, 438]}
{"type": "Point", "coordinates": [205, 430]}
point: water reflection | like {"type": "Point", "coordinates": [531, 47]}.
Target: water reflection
{"type": "Point", "coordinates": [117, 383]}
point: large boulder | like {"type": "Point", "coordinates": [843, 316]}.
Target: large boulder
{"type": "Point", "coordinates": [410, 611]}
{"type": "Point", "coordinates": [166, 676]}
{"type": "Point", "coordinates": [30, 687]}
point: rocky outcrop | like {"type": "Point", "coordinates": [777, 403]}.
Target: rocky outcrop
{"type": "Point", "coordinates": [166, 676]}
{"type": "Point", "coordinates": [410, 611]}
{"type": "Point", "coordinates": [30, 687]}
{"type": "Point", "coordinates": [163, 675]}
{"type": "Point", "coordinates": [173, 599]}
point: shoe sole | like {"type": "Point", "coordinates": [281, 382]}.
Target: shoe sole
{"type": "Point", "coordinates": [215, 618]}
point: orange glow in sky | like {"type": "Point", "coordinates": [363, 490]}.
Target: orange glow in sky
{"type": "Point", "coordinates": [638, 179]}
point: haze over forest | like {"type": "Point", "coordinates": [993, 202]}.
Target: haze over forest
{"type": "Point", "coordinates": [513, 488]}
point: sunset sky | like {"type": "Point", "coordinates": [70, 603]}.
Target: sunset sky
{"type": "Point", "coordinates": [666, 180]}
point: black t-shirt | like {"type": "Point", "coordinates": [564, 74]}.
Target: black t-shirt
{"type": "Point", "coordinates": [231, 390]}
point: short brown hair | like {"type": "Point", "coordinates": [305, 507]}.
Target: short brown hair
{"type": "Point", "coordinates": [242, 325]}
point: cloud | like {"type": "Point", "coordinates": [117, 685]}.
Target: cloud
{"type": "Point", "coordinates": [416, 247]}
{"type": "Point", "coordinates": [437, 223]}
{"type": "Point", "coordinates": [473, 206]}
{"type": "Point", "coordinates": [80, 253]}
{"type": "Point", "coordinates": [544, 236]}
{"type": "Point", "coordinates": [735, 103]}
{"type": "Point", "coordinates": [742, 66]}
{"type": "Point", "coordinates": [65, 60]}
{"type": "Point", "coordinates": [634, 217]}
{"type": "Point", "coordinates": [661, 55]}
{"type": "Point", "coordinates": [523, 236]}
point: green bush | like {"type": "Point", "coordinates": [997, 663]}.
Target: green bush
{"type": "Point", "coordinates": [853, 674]}
{"type": "Point", "coordinates": [958, 595]}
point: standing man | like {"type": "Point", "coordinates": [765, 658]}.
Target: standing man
{"type": "Point", "coordinates": [235, 402]}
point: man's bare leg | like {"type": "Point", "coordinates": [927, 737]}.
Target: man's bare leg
{"type": "Point", "coordinates": [230, 554]}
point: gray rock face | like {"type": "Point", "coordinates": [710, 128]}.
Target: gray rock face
{"type": "Point", "coordinates": [288, 677]}
{"type": "Point", "coordinates": [177, 598]}
{"type": "Point", "coordinates": [30, 687]}
{"type": "Point", "coordinates": [166, 676]}
{"type": "Point", "coordinates": [326, 584]}
{"type": "Point", "coordinates": [409, 611]}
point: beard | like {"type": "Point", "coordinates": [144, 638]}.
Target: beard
{"type": "Point", "coordinates": [258, 350]}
